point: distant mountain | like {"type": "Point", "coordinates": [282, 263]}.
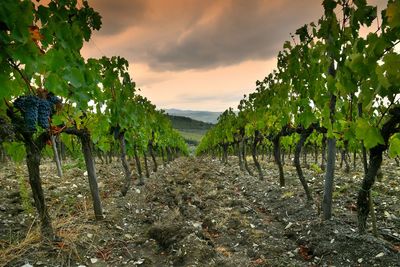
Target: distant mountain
{"type": "Point", "coordinates": [205, 116]}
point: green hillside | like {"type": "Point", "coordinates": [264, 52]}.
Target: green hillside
{"type": "Point", "coordinates": [192, 130]}
{"type": "Point", "coordinates": [191, 138]}
{"type": "Point", "coordinates": [185, 123]}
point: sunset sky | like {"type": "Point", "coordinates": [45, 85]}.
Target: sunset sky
{"type": "Point", "coordinates": [199, 54]}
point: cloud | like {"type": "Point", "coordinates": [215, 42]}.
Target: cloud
{"type": "Point", "coordinates": [199, 54]}
{"type": "Point", "coordinates": [179, 35]}
{"type": "Point", "coordinates": [242, 30]}
{"type": "Point", "coordinates": [120, 15]}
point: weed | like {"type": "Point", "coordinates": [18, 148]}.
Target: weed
{"type": "Point", "coordinates": [316, 168]}
{"type": "Point", "coordinates": [287, 194]}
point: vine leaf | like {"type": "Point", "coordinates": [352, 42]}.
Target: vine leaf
{"type": "Point", "coordinates": [394, 148]}
{"type": "Point", "coordinates": [369, 134]}
{"type": "Point", "coordinates": [75, 77]}
{"type": "Point", "coordinates": [393, 14]}
{"type": "Point", "coordinates": [16, 150]}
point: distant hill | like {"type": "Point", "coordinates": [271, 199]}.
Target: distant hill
{"type": "Point", "coordinates": [191, 130]}
{"type": "Point", "coordinates": [205, 116]}
{"type": "Point", "coordinates": [188, 124]}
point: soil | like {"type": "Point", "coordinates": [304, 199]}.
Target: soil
{"type": "Point", "coordinates": [197, 212]}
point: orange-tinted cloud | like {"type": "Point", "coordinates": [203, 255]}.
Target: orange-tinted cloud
{"type": "Point", "coordinates": [185, 52]}
{"type": "Point", "coordinates": [200, 34]}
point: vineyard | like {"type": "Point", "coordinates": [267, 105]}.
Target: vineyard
{"type": "Point", "coordinates": [305, 173]}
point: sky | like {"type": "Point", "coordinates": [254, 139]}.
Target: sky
{"type": "Point", "coordinates": [199, 54]}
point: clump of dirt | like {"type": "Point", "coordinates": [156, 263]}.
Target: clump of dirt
{"type": "Point", "coordinates": [197, 212]}
{"type": "Point", "coordinates": [166, 235]}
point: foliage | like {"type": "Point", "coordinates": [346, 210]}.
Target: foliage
{"type": "Point", "coordinates": [296, 94]}
{"type": "Point", "coordinates": [46, 82]}
{"type": "Point", "coordinates": [330, 80]}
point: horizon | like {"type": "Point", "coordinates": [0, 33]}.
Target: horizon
{"type": "Point", "coordinates": [192, 110]}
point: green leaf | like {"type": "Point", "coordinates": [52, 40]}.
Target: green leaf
{"type": "Point", "coordinates": [364, 15]}
{"type": "Point", "coordinates": [393, 14]}
{"type": "Point", "coordinates": [381, 77]}
{"type": "Point", "coordinates": [75, 77]}
{"type": "Point", "coordinates": [389, 73]}
{"type": "Point", "coordinates": [360, 3]}
{"type": "Point", "coordinates": [331, 83]}
{"type": "Point", "coordinates": [394, 146]}
{"type": "Point", "coordinates": [303, 33]}
{"type": "Point", "coordinates": [261, 124]}
{"type": "Point", "coordinates": [55, 59]}
{"type": "Point", "coordinates": [54, 84]}
{"type": "Point", "coordinates": [104, 146]}
{"type": "Point", "coordinates": [16, 150]}
{"type": "Point", "coordinates": [6, 86]}
{"type": "Point", "coordinates": [356, 63]}
{"type": "Point", "coordinates": [18, 16]}
{"type": "Point", "coordinates": [368, 133]}
{"type": "Point", "coordinates": [329, 6]}
{"type": "Point", "coordinates": [57, 119]}
{"type": "Point", "coordinates": [307, 118]}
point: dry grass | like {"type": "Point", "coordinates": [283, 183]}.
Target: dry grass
{"type": "Point", "coordinates": [19, 249]}
{"type": "Point", "coordinates": [71, 230]}
{"type": "Point", "coordinates": [72, 218]}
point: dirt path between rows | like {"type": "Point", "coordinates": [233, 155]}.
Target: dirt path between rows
{"type": "Point", "coordinates": [193, 212]}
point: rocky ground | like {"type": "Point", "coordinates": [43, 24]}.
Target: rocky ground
{"type": "Point", "coordinates": [196, 212]}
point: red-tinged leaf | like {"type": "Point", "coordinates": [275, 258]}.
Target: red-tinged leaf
{"type": "Point", "coordinates": [35, 33]}
{"type": "Point", "coordinates": [55, 130]}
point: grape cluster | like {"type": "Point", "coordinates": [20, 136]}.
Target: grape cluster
{"type": "Point", "coordinates": [29, 106]}
{"type": "Point", "coordinates": [44, 113]}
{"type": "Point", "coordinates": [36, 110]}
